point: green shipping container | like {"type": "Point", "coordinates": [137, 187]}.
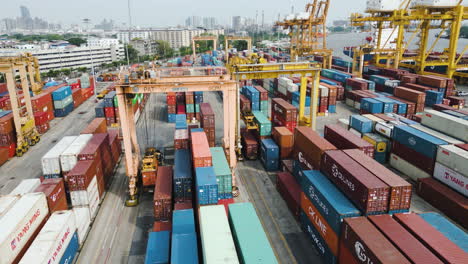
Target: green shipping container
{"type": "Point", "coordinates": [251, 241]}
{"type": "Point", "coordinates": [116, 102]}
{"type": "Point", "coordinates": [197, 108]}
{"type": "Point", "coordinates": [264, 125]}
{"type": "Point", "coordinates": [327, 73]}
{"type": "Point", "coordinates": [190, 108]}
{"type": "Point", "coordinates": [222, 170]}
{"type": "Point", "coordinates": [264, 107]}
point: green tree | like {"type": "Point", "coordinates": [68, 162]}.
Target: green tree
{"type": "Point", "coordinates": [82, 69]}
{"type": "Point", "coordinates": [132, 53]}
{"type": "Point", "coordinates": [76, 41]}
{"type": "Point", "coordinates": [464, 32]}
{"type": "Point", "coordinates": [164, 50]}
{"type": "Point", "coordinates": [185, 51]}
{"type": "Point", "coordinates": [66, 71]}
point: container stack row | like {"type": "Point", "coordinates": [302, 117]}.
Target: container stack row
{"type": "Point", "coordinates": [187, 103]}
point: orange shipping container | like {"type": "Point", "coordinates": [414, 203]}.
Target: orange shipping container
{"type": "Point", "coordinates": [97, 126]}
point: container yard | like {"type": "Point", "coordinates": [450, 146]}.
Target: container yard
{"type": "Point", "coordinates": [266, 154]}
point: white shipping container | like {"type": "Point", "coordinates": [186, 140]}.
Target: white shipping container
{"type": "Point", "coordinates": [407, 168]}
{"type": "Point", "coordinates": [344, 123]}
{"type": "Point", "coordinates": [357, 105]}
{"type": "Point", "coordinates": [373, 118]}
{"type": "Point", "coordinates": [53, 239]}
{"type": "Point", "coordinates": [63, 103]}
{"type": "Point", "coordinates": [83, 221]}
{"type": "Point", "coordinates": [454, 158]}
{"type": "Point", "coordinates": [355, 132]}
{"type": "Point", "coordinates": [51, 160]}
{"type": "Point", "coordinates": [437, 3]}
{"type": "Point", "coordinates": [450, 125]}
{"type": "Point", "coordinates": [19, 223]}
{"type": "Point", "coordinates": [383, 5]}
{"type": "Point", "coordinates": [216, 237]}
{"type": "Point", "coordinates": [323, 91]}
{"type": "Point", "coordinates": [89, 198]}
{"type": "Point", "coordinates": [6, 202]}
{"type": "Point", "coordinates": [384, 129]}
{"type": "Point", "coordinates": [69, 157]}
{"type": "Point", "coordinates": [437, 134]}
{"type": "Point", "coordinates": [26, 186]}
{"type": "Point", "coordinates": [451, 178]}
{"type": "Point", "coordinates": [349, 102]}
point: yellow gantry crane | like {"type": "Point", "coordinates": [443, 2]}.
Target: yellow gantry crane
{"type": "Point", "coordinates": [202, 38]}
{"type": "Point", "coordinates": [305, 32]}
{"type": "Point", "coordinates": [419, 21]}
{"type": "Point", "coordinates": [27, 68]}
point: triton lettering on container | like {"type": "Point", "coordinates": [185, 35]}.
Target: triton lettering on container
{"type": "Point", "coordinates": [264, 125]}
{"type": "Point", "coordinates": [206, 186]}
{"type": "Point", "coordinates": [453, 157]}
{"type": "Point", "coordinates": [20, 224]}
{"type": "Point", "coordinates": [361, 124]}
{"type": "Point", "coordinates": [442, 197]}
{"type": "Point", "coordinates": [269, 155]}
{"type": "Point", "coordinates": [417, 140]}
{"type": "Point", "coordinates": [450, 125]}
{"type": "Point", "coordinates": [408, 245]}
{"type": "Point", "coordinates": [343, 139]}
{"type": "Point", "coordinates": [290, 190]}
{"type": "Point", "coordinates": [330, 202]}
{"type": "Point", "coordinates": [400, 190]}
{"type": "Point", "coordinates": [223, 173]}
{"type": "Point", "coordinates": [435, 241]}
{"type": "Point", "coordinates": [183, 178]}
{"type": "Point", "coordinates": [216, 237]}
{"type": "Point", "coordinates": [158, 248]}
{"type": "Point", "coordinates": [309, 147]}
{"type": "Point", "coordinates": [447, 228]}
{"type": "Point", "coordinates": [366, 191]}
{"type": "Point", "coordinates": [51, 242]}
{"type": "Point", "coordinates": [371, 105]}
{"type": "Point", "coordinates": [367, 244]}
{"type": "Point", "coordinates": [162, 199]}
{"type": "Point", "coordinates": [249, 236]}
{"type": "Point", "coordinates": [71, 250]}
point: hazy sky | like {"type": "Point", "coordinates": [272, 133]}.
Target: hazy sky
{"type": "Point", "coordinates": [166, 12]}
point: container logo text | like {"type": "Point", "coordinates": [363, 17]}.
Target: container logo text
{"type": "Point", "coordinates": [361, 252]}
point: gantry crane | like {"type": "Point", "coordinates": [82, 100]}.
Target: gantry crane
{"type": "Point", "coordinates": [203, 38]}
{"type": "Point", "coordinates": [425, 18]}
{"type": "Point", "coordinates": [27, 68]}
{"type": "Point", "coordinates": [306, 31]}
{"type": "Point", "coordinates": [227, 40]}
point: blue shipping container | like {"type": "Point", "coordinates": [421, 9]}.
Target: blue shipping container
{"type": "Point", "coordinates": [371, 105]}
{"type": "Point", "coordinates": [379, 79]}
{"type": "Point", "coordinates": [329, 201]}
{"type": "Point", "coordinates": [402, 107]}
{"type": "Point", "coordinates": [158, 247]}
{"type": "Point", "coordinates": [71, 250]}
{"type": "Point", "coordinates": [417, 140]}
{"type": "Point", "coordinates": [4, 113]}
{"type": "Point", "coordinates": [197, 130]}
{"type": "Point", "coordinates": [361, 123]}
{"type": "Point", "coordinates": [181, 121]}
{"type": "Point", "coordinates": [329, 82]}
{"type": "Point", "coordinates": [61, 93]}
{"type": "Point", "coordinates": [183, 221]}
{"type": "Point", "coordinates": [183, 177]}
{"type": "Point", "coordinates": [255, 106]}
{"type": "Point", "coordinates": [207, 186]}
{"type": "Point", "coordinates": [99, 110]}
{"type": "Point", "coordinates": [387, 104]}
{"type": "Point", "coordinates": [449, 230]}
{"type": "Point", "coordinates": [109, 99]}
{"type": "Point", "coordinates": [64, 111]}
{"type": "Point", "coordinates": [252, 94]}
{"type": "Point", "coordinates": [318, 242]}
{"type": "Point", "coordinates": [184, 249]}
{"type": "Point", "coordinates": [332, 109]}
{"type": "Point", "coordinates": [171, 118]}
{"type": "Point", "coordinates": [269, 154]}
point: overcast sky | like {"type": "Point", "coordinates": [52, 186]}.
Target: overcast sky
{"type": "Point", "coordinates": [166, 12]}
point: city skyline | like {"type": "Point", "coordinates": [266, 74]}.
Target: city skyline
{"type": "Point", "coordinates": [145, 15]}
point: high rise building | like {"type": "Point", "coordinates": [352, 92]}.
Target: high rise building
{"type": "Point", "coordinates": [209, 22]}
{"type": "Point", "coordinates": [193, 21]}
{"type": "Point", "coordinates": [25, 12]}
{"type": "Point", "coordinates": [237, 22]}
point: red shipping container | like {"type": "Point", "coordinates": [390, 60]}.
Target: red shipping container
{"type": "Point", "coordinates": [245, 105]}
{"type": "Point", "coordinates": [400, 190]}
{"type": "Point", "coordinates": [162, 199]}
{"type": "Point", "coordinates": [356, 84]}
{"type": "Point", "coordinates": [171, 109]}
{"type": "Point", "coordinates": [411, 248]}
{"type": "Point", "coordinates": [201, 153]}
{"type": "Point", "coordinates": [189, 98]}
{"type": "Point", "coordinates": [54, 189]}
{"type": "Point", "coordinates": [183, 206]}
{"type": "Point", "coordinates": [42, 129]}
{"type": "Point", "coordinates": [343, 139]}
{"type": "Point", "coordinates": [109, 112]}
{"type": "Point", "coordinates": [6, 124]}
{"type": "Point", "coordinates": [81, 175]}
{"type": "Point", "coordinates": [285, 140]}
{"type": "Point", "coordinates": [41, 100]}
{"type": "Point", "coordinates": [284, 110]}
{"type": "Point", "coordinates": [434, 81]}
{"type": "Point", "coordinates": [40, 118]}
{"type": "Point", "coordinates": [290, 190]}
{"type": "Point", "coordinates": [367, 192]}
{"type": "Point", "coordinates": [309, 147]}
{"type": "Point", "coordinates": [207, 116]}
{"type": "Point", "coordinates": [435, 241]}
{"type": "Point", "coordinates": [410, 95]}
{"type": "Point", "coordinates": [463, 146]}
{"type": "Point", "coordinates": [420, 88]}
{"type": "Point", "coordinates": [263, 93]}
{"type": "Point", "coordinates": [180, 109]}
{"type": "Point", "coordinates": [181, 139]}
{"type": "Point", "coordinates": [7, 139]}
{"type": "Point", "coordinates": [442, 197]}
{"type": "Point", "coordinates": [148, 177]}
{"type": "Point", "coordinates": [159, 226]}
{"type": "Point", "coordinates": [11, 149]}
{"type": "Point", "coordinates": [226, 203]}
{"type": "Point", "coordinates": [249, 145]}
{"type": "Point", "coordinates": [171, 98]}
{"type": "Point", "coordinates": [4, 156]}
{"type": "Point", "coordinates": [419, 160]}
{"type": "Point", "coordinates": [411, 106]}
{"type": "Point", "coordinates": [367, 244]}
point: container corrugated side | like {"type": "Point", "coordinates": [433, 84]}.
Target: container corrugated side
{"type": "Point", "coordinates": [158, 247]}
{"type": "Point", "coordinates": [440, 245]}
{"type": "Point", "coordinates": [451, 178]}
{"type": "Point", "coordinates": [216, 237]}
{"type": "Point", "coordinates": [332, 204]}
{"type": "Point", "coordinates": [184, 249]}
{"type": "Point", "coordinates": [89, 197]}
{"type": "Point", "coordinates": [250, 237]}
{"type": "Point", "coordinates": [51, 160]}
{"type": "Point", "coordinates": [454, 158]}
{"type": "Point", "coordinates": [447, 228]}
{"type": "Point", "coordinates": [183, 221]}
{"type": "Point", "coordinates": [415, 139]}
{"type": "Point", "coordinates": [71, 250]}
{"type": "Point", "coordinates": [83, 221]}
{"type": "Point", "coordinates": [437, 134]}
{"type": "Point", "coordinates": [69, 157]}
{"type": "Point", "coordinates": [51, 242]}
{"type": "Point", "coordinates": [6, 202]}
{"type": "Point", "coordinates": [450, 125]}
{"type": "Point", "coordinates": [407, 168]}
{"type": "Point", "coordinates": [26, 186]}
{"type": "Point", "coordinates": [19, 223]}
